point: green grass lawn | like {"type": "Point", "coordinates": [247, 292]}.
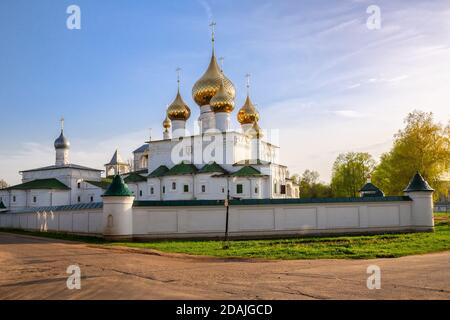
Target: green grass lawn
{"type": "Point", "coordinates": [337, 247]}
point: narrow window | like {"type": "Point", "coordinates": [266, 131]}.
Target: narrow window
{"type": "Point", "coordinates": [34, 199]}
{"type": "Point", "coordinates": [152, 190]}
{"type": "Point", "coordinates": [239, 189]}
{"type": "Point", "coordinates": [275, 188]}
{"type": "Point", "coordinates": [164, 189]}
{"type": "Point", "coordinates": [110, 221]}
{"type": "Point", "coordinates": [14, 198]}
{"type": "Point", "coordinates": [283, 189]}
{"type": "Point", "coordinates": [174, 186]}
{"type": "Point", "coordinates": [223, 190]}
{"type": "Point", "coordinates": [186, 188]}
{"type": "Point", "coordinates": [256, 189]}
{"type": "Point", "coordinates": [79, 199]}
{"type": "Point", "coordinates": [140, 193]}
{"type": "Point", "coordinates": [79, 185]}
{"type": "Point", "coordinates": [203, 188]}
{"type": "Point", "coordinates": [92, 199]}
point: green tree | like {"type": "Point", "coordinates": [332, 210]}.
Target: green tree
{"type": "Point", "coordinates": [3, 184]}
{"type": "Point", "coordinates": [310, 187]}
{"type": "Point", "coordinates": [350, 173]}
{"type": "Point", "coordinates": [423, 146]}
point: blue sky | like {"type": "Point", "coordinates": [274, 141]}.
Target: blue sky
{"type": "Point", "coordinates": [319, 75]}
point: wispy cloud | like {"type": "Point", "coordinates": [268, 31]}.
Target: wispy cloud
{"type": "Point", "coordinates": [207, 7]}
{"type": "Point", "coordinates": [349, 114]}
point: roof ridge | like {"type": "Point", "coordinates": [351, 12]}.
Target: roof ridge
{"type": "Point", "coordinates": [48, 183]}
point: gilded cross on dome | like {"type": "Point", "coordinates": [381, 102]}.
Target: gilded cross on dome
{"type": "Point", "coordinates": [178, 70]}
{"type": "Point", "coordinates": [221, 59]}
{"type": "Point", "coordinates": [213, 28]}
{"type": "Point", "coordinates": [248, 75]}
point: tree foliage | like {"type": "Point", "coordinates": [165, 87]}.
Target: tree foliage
{"type": "Point", "coordinates": [423, 146]}
{"type": "Point", "coordinates": [350, 172]}
{"type": "Point", "coordinates": [311, 187]}
{"type": "Point", "coordinates": [3, 184]}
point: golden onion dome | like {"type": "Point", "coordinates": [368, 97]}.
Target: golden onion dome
{"type": "Point", "coordinates": [209, 84]}
{"type": "Point", "coordinates": [178, 110]}
{"type": "Point", "coordinates": [248, 113]}
{"type": "Point", "coordinates": [222, 101]}
{"type": "Point", "coordinates": [167, 123]}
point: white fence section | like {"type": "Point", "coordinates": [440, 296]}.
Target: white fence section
{"type": "Point", "coordinates": [272, 220]}
{"type": "Point", "coordinates": [77, 221]}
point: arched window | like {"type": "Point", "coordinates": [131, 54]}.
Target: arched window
{"type": "Point", "coordinates": [110, 221]}
{"type": "Point", "coordinates": [144, 162]}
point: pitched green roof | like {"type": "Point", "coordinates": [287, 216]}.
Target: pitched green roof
{"type": "Point", "coordinates": [212, 168]}
{"type": "Point", "coordinates": [369, 187]}
{"type": "Point", "coordinates": [418, 183]}
{"type": "Point", "coordinates": [182, 168]}
{"type": "Point", "coordinates": [2, 205]}
{"type": "Point", "coordinates": [103, 184]}
{"type": "Point", "coordinates": [371, 190]}
{"type": "Point", "coordinates": [52, 184]}
{"type": "Point", "coordinates": [118, 188]}
{"type": "Point", "coordinates": [134, 177]}
{"type": "Point", "coordinates": [158, 172]}
{"type": "Point", "coordinates": [247, 171]}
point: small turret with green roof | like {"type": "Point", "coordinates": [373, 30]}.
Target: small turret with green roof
{"type": "Point", "coordinates": [418, 183]}
{"type": "Point", "coordinates": [118, 188]}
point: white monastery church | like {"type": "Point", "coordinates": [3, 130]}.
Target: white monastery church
{"type": "Point", "coordinates": [216, 162]}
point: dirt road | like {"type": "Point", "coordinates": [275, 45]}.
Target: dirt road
{"type": "Point", "coordinates": [35, 268]}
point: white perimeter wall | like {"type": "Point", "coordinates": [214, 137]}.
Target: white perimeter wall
{"type": "Point", "coordinates": [158, 222]}
{"type": "Point", "coordinates": [245, 220]}
{"type": "Point", "coordinates": [76, 221]}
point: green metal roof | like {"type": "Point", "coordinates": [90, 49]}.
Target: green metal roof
{"type": "Point", "coordinates": [369, 187]}
{"type": "Point", "coordinates": [2, 205]}
{"type": "Point", "coordinates": [134, 177]}
{"type": "Point", "coordinates": [158, 172]}
{"type": "Point", "coordinates": [141, 171]}
{"type": "Point", "coordinates": [182, 168]}
{"type": "Point", "coordinates": [71, 207]}
{"type": "Point", "coordinates": [51, 184]}
{"type": "Point", "coordinates": [177, 203]}
{"type": "Point", "coordinates": [371, 190]}
{"type": "Point", "coordinates": [418, 183]}
{"type": "Point", "coordinates": [247, 171]}
{"type": "Point", "coordinates": [212, 168]}
{"type": "Point", "coordinates": [118, 188]}
{"type": "Point", "coordinates": [103, 184]}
